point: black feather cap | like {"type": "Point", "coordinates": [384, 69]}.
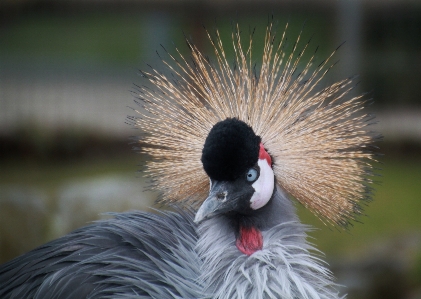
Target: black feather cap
{"type": "Point", "coordinates": [230, 149]}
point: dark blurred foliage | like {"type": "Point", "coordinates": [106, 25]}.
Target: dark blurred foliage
{"type": "Point", "coordinates": [390, 31]}
{"type": "Point", "coordinates": [392, 53]}
{"type": "Point", "coordinates": [28, 144]}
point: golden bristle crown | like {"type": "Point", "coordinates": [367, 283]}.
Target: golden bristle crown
{"type": "Point", "coordinates": [318, 137]}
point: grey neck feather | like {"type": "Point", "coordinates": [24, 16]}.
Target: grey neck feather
{"type": "Point", "coordinates": [284, 268]}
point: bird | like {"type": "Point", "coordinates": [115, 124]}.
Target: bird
{"type": "Point", "coordinates": [231, 148]}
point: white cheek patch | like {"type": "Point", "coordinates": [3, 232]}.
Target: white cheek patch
{"type": "Point", "coordinates": [263, 186]}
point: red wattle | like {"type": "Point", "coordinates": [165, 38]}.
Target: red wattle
{"type": "Point", "coordinates": [263, 154]}
{"type": "Point", "coordinates": [249, 241]}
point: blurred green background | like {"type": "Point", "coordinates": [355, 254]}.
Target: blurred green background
{"type": "Point", "coordinates": [66, 72]}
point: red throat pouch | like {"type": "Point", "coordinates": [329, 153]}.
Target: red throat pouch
{"type": "Point", "coordinates": [249, 241]}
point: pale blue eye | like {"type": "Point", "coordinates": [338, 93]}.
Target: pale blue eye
{"type": "Point", "coordinates": [252, 175]}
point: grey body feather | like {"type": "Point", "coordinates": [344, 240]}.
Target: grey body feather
{"type": "Point", "coordinates": [134, 255]}
{"type": "Point", "coordinates": [142, 255]}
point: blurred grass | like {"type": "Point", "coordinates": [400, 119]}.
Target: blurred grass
{"type": "Point", "coordinates": [395, 211]}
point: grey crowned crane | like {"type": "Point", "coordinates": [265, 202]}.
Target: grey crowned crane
{"type": "Point", "coordinates": [228, 146]}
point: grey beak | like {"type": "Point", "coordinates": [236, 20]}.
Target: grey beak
{"type": "Point", "coordinates": [216, 203]}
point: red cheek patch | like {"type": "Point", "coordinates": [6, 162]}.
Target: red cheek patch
{"type": "Point", "coordinates": [263, 155]}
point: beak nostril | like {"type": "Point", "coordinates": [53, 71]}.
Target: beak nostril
{"type": "Point", "coordinates": [221, 195]}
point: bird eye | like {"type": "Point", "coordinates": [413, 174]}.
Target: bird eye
{"type": "Point", "coordinates": [252, 175]}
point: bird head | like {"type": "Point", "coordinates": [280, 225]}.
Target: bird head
{"type": "Point", "coordinates": [239, 169]}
